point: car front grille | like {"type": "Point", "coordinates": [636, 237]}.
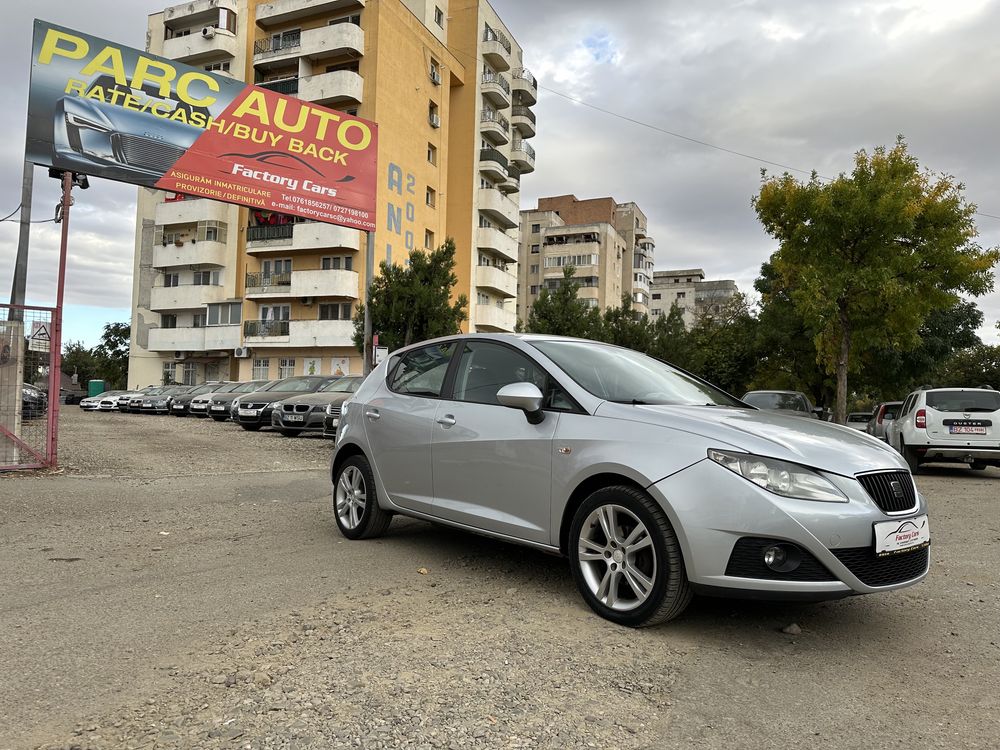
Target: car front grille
{"type": "Point", "coordinates": [872, 570]}
{"type": "Point", "coordinates": [334, 410]}
{"type": "Point", "coordinates": [148, 153]}
{"type": "Point", "coordinates": [892, 491]}
{"type": "Point", "coordinates": [747, 561]}
{"type": "Point", "coordinates": [254, 406]}
{"type": "Point", "coordinates": [300, 408]}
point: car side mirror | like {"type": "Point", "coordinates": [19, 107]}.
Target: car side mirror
{"type": "Point", "coordinates": [523, 396]}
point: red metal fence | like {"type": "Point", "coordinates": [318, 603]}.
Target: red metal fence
{"type": "Point", "coordinates": [29, 387]}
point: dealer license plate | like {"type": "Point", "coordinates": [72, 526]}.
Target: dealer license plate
{"type": "Point", "coordinates": [965, 430]}
{"type": "Point", "coordinates": [293, 417]}
{"type": "Point", "coordinates": [218, 408]}
{"type": "Point", "coordinates": [179, 407]}
{"type": "Point", "coordinates": [247, 412]}
{"type": "Point", "coordinates": [147, 403]}
{"type": "Point", "coordinates": [892, 537]}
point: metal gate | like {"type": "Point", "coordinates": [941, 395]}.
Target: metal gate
{"type": "Point", "coordinates": [29, 387]}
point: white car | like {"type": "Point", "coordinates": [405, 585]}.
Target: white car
{"type": "Point", "coordinates": [959, 425]}
{"type": "Point", "coordinates": [858, 420]}
{"type": "Point", "coordinates": [107, 401]}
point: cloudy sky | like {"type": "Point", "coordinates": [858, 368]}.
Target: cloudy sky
{"type": "Point", "coordinates": [804, 84]}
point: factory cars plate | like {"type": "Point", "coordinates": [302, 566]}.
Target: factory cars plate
{"type": "Point", "coordinates": [892, 537]}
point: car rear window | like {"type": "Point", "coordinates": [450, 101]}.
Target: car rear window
{"type": "Point", "coordinates": [963, 400]}
{"type": "Point", "coordinates": [858, 417]}
{"type": "Point", "coordinates": [791, 401]}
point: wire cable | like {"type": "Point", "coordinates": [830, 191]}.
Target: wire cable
{"type": "Point", "coordinates": [5, 218]}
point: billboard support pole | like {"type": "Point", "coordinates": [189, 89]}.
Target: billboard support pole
{"type": "Point", "coordinates": [20, 280]}
{"type": "Point", "coordinates": [369, 352]}
{"type": "Point", "coordinates": [55, 342]}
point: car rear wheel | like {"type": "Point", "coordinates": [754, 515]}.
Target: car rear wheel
{"type": "Point", "coordinates": [355, 503]}
{"type": "Point", "coordinates": [626, 559]}
{"type": "Point", "coordinates": [290, 433]}
{"type": "Point", "coordinates": [910, 456]}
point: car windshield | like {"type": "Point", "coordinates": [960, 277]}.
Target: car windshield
{"type": "Point", "coordinates": [253, 385]}
{"type": "Point", "coordinates": [625, 376]}
{"type": "Point", "coordinates": [858, 417]}
{"type": "Point", "coordinates": [207, 388]}
{"type": "Point", "coordinates": [297, 385]}
{"type": "Point", "coordinates": [768, 400]}
{"type": "Point", "coordinates": [956, 401]}
{"type": "Point", "coordinates": [342, 385]}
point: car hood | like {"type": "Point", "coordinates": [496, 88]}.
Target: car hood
{"type": "Point", "coordinates": [318, 399]}
{"type": "Point", "coordinates": [269, 396]}
{"type": "Point", "coordinates": [809, 442]}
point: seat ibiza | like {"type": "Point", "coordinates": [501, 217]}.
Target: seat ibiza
{"type": "Point", "coordinates": [655, 484]}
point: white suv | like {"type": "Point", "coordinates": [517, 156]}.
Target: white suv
{"type": "Point", "coordinates": [948, 424]}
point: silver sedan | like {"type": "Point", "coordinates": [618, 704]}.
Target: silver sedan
{"type": "Point", "coordinates": [655, 484]}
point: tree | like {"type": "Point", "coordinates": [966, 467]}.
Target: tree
{"type": "Point", "coordinates": [414, 303]}
{"type": "Point", "coordinates": [79, 360]}
{"type": "Point", "coordinates": [623, 326]}
{"type": "Point", "coordinates": [111, 355]}
{"type": "Point", "coordinates": [723, 347]}
{"type": "Point", "coordinates": [561, 313]}
{"type": "Point", "coordinates": [867, 257]}
{"type": "Point", "coordinates": [670, 340]}
{"type": "Point", "coordinates": [970, 368]}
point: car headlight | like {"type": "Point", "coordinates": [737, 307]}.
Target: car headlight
{"type": "Point", "coordinates": [780, 477]}
{"type": "Point", "coordinates": [161, 402]}
{"type": "Point", "coordinates": [235, 403]}
{"type": "Point", "coordinates": [273, 405]}
{"type": "Point", "coordinates": [86, 123]}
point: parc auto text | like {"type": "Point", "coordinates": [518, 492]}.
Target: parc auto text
{"type": "Point", "coordinates": [273, 124]}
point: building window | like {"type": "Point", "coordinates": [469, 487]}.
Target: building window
{"type": "Point", "coordinates": [656, 295]}
{"type": "Point", "coordinates": [482, 298]}
{"type": "Point", "coordinates": [168, 321]}
{"type": "Point", "coordinates": [439, 16]}
{"type": "Point", "coordinates": [656, 312]}
{"type": "Point", "coordinates": [355, 19]}
{"type": "Point", "coordinates": [286, 367]}
{"type": "Point", "coordinates": [190, 373]}
{"type": "Point", "coordinates": [275, 312]}
{"type": "Point", "coordinates": [681, 295]}
{"type": "Point", "coordinates": [352, 67]}
{"type": "Point", "coordinates": [428, 239]}
{"type": "Point", "coordinates": [432, 153]}
{"type": "Point", "coordinates": [536, 228]}
{"type": "Point", "coordinates": [259, 369]}
{"type": "Point", "coordinates": [433, 114]}
{"type": "Point", "coordinates": [330, 264]}
{"type": "Point", "coordinates": [199, 320]}
{"type": "Point", "coordinates": [206, 278]}
{"type": "Point", "coordinates": [533, 268]}
{"type": "Point", "coordinates": [225, 314]}
{"type": "Point", "coordinates": [335, 311]}
{"type": "Point", "coordinates": [534, 249]}
{"type": "Point", "coordinates": [534, 288]}
{"type": "Point", "coordinates": [169, 370]}
{"type": "Point", "coordinates": [171, 279]}
{"type": "Point", "coordinates": [223, 66]}
{"type": "Point", "coordinates": [431, 197]}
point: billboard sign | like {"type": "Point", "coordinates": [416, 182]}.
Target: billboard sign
{"type": "Point", "coordinates": [111, 111]}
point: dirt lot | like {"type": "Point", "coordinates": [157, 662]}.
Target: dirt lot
{"type": "Point", "coordinates": [182, 584]}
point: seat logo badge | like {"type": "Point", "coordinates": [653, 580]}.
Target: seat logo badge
{"type": "Point", "coordinates": [897, 489]}
{"type": "Point", "coordinates": [565, 451]}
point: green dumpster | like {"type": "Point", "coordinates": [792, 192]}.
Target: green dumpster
{"type": "Point", "coordinates": [95, 387]}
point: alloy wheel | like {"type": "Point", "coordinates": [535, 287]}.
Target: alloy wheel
{"type": "Point", "coordinates": [617, 557]}
{"type": "Point", "coordinates": [351, 497]}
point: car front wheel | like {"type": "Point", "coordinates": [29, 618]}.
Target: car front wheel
{"type": "Point", "coordinates": [355, 503]}
{"type": "Point", "coordinates": [626, 559]}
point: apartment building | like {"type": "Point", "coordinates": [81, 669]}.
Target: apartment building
{"type": "Point", "coordinates": [222, 291]}
{"type": "Point", "coordinates": [691, 292]}
{"type": "Point", "coordinates": [606, 242]}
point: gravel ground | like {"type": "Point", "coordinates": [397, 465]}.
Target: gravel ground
{"type": "Point", "coordinates": [181, 583]}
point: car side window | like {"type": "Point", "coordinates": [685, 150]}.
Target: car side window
{"type": "Point", "coordinates": [485, 368]}
{"type": "Point", "coordinates": [907, 405]}
{"type": "Point", "coordinates": [422, 371]}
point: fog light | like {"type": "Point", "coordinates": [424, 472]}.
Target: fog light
{"type": "Point", "coordinates": [782, 558]}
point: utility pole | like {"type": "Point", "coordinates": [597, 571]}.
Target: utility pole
{"type": "Point", "coordinates": [369, 352]}
{"type": "Point", "coordinates": [20, 280]}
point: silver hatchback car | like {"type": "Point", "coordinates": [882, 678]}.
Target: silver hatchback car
{"type": "Point", "coordinates": [655, 484]}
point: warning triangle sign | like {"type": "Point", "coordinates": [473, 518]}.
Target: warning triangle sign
{"type": "Point", "coordinates": [40, 331]}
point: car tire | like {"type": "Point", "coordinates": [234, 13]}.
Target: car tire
{"type": "Point", "coordinates": [355, 501]}
{"type": "Point", "coordinates": [250, 427]}
{"type": "Point", "coordinates": [645, 586]}
{"type": "Point", "coordinates": [910, 456]}
{"type": "Point", "coordinates": [978, 465]}
{"type": "Point", "coordinates": [290, 433]}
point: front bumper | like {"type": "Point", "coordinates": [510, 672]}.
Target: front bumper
{"type": "Point", "coordinates": [712, 510]}
{"type": "Point", "coordinates": [330, 425]}
{"type": "Point", "coordinates": [260, 417]}
{"type": "Point", "coordinates": [179, 410]}
{"type": "Point", "coordinates": [311, 421]}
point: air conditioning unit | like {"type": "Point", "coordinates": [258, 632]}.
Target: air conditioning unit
{"type": "Point", "coordinates": [241, 352]}
{"type": "Point", "coordinates": [208, 32]}
{"type": "Point", "coordinates": [435, 76]}
{"type": "Point", "coordinates": [180, 355]}
{"type": "Point", "coordinates": [435, 120]}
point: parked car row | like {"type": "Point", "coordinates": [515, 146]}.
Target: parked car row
{"type": "Point", "coordinates": [292, 406]}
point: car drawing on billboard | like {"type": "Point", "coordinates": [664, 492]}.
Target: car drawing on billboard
{"type": "Point", "coordinates": [127, 144]}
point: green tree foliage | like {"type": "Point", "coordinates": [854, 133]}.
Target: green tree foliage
{"type": "Point", "coordinates": [80, 360]}
{"type": "Point", "coordinates": [670, 341]}
{"type": "Point", "coordinates": [561, 313]}
{"type": "Point", "coordinates": [623, 326]}
{"type": "Point", "coordinates": [867, 257]}
{"type": "Point", "coordinates": [723, 346]}
{"type": "Point", "coordinates": [969, 368]}
{"type": "Point", "coordinates": [413, 303]}
{"type": "Point", "coordinates": [111, 355]}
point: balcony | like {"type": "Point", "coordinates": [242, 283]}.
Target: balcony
{"type": "Point", "coordinates": [513, 182]}
{"type": "Point", "coordinates": [328, 283]}
{"type": "Point", "coordinates": [492, 318]}
{"type": "Point", "coordinates": [301, 236]}
{"type": "Point", "coordinates": [285, 11]}
{"type": "Point", "coordinates": [176, 339]}
{"type": "Point", "coordinates": [298, 333]}
{"type": "Point", "coordinates": [185, 296]}
{"type": "Point", "coordinates": [494, 127]}
{"type": "Point", "coordinates": [493, 164]}
{"type": "Point", "coordinates": [523, 119]}
{"type": "Point", "coordinates": [313, 44]}
{"type": "Point", "coordinates": [190, 253]}
{"type": "Point", "coordinates": [498, 207]}
{"type": "Point", "coordinates": [260, 285]}
{"type": "Point", "coordinates": [194, 48]}
{"type": "Point", "coordinates": [495, 48]}
{"type": "Point", "coordinates": [496, 90]}
{"type": "Point", "coordinates": [502, 244]}
{"type": "Point", "coordinates": [525, 87]}
{"type": "Point", "coordinates": [336, 87]}
{"type": "Point", "coordinates": [222, 337]}
{"type": "Point", "coordinates": [190, 211]}
{"type": "Point", "coordinates": [496, 279]}
{"type": "Point", "coordinates": [522, 155]}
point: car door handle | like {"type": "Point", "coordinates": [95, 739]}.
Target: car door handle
{"type": "Point", "coordinates": [446, 421]}
{"type": "Point", "coordinates": [372, 414]}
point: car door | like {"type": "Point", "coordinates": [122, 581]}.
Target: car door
{"type": "Point", "coordinates": [893, 430]}
{"type": "Point", "coordinates": [492, 468]}
{"type": "Point", "coordinates": [398, 421]}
